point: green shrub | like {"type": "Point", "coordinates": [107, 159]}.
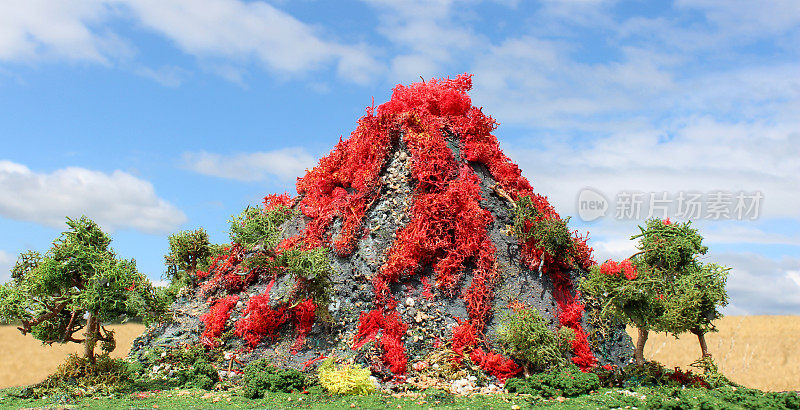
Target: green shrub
{"type": "Point", "coordinates": [654, 374]}
{"type": "Point", "coordinates": [711, 373]}
{"type": "Point", "coordinates": [568, 382]}
{"type": "Point", "coordinates": [261, 377]}
{"type": "Point", "coordinates": [724, 398]}
{"type": "Point", "coordinates": [552, 235]}
{"type": "Point", "coordinates": [345, 379]}
{"type": "Point", "coordinates": [525, 336]}
{"type": "Point", "coordinates": [313, 268]}
{"type": "Point", "coordinates": [255, 226]}
{"type": "Point", "coordinates": [78, 377]}
{"type": "Point", "coordinates": [176, 367]}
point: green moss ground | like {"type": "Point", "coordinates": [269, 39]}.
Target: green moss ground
{"type": "Point", "coordinates": [640, 397]}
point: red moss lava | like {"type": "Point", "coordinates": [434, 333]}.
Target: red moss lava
{"type": "Point", "coordinates": [447, 228]}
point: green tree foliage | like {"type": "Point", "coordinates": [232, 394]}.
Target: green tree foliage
{"type": "Point", "coordinates": [188, 252]}
{"type": "Point", "coordinates": [551, 235]}
{"type": "Point", "coordinates": [525, 336]}
{"type": "Point", "coordinates": [664, 286]}
{"type": "Point", "coordinates": [79, 284]}
{"type": "Point", "coordinates": [25, 262]}
{"type": "Point", "coordinates": [258, 227]}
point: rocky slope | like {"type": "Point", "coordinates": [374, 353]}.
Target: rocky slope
{"type": "Point", "coordinates": [415, 209]}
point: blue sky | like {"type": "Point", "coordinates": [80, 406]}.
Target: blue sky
{"type": "Point", "coordinates": [156, 116]}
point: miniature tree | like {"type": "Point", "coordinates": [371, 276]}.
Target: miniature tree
{"type": "Point", "coordinates": [662, 287]}
{"type": "Point", "coordinates": [188, 251]}
{"type": "Point", "coordinates": [525, 336]}
{"type": "Point", "coordinates": [627, 295]}
{"type": "Point", "coordinates": [79, 284]}
{"type": "Point", "coordinates": [695, 290]}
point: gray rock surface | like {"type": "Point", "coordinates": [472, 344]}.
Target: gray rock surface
{"type": "Point", "coordinates": [429, 320]}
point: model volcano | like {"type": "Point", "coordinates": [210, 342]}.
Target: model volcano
{"type": "Point", "coordinates": [406, 239]}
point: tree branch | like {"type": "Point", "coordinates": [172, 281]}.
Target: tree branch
{"type": "Point", "coordinates": [28, 324]}
{"type": "Point", "coordinates": [68, 333]}
{"type": "Point", "coordinates": [503, 194]}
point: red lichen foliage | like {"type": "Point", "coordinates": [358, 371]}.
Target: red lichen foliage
{"type": "Point", "coordinates": [447, 229]}
{"type": "Point", "coordinates": [582, 254]}
{"type": "Point", "coordinates": [426, 288]}
{"type": "Point", "coordinates": [310, 362]}
{"type": "Point", "coordinates": [392, 343]}
{"type": "Point", "coordinates": [391, 330]}
{"type": "Point", "coordinates": [625, 267]}
{"type": "Point", "coordinates": [495, 364]}
{"type": "Point", "coordinates": [225, 273]}
{"type": "Point", "coordinates": [215, 320]}
{"type": "Point", "coordinates": [570, 313]}
{"type": "Point", "coordinates": [369, 324]}
{"type": "Point", "coordinates": [273, 201]}
{"type": "Point", "coordinates": [345, 183]}
{"type": "Point", "coordinates": [464, 337]}
{"type": "Point", "coordinates": [610, 268]}
{"type": "Point", "coordinates": [304, 319]}
{"type": "Point", "coordinates": [260, 319]}
{"type": "Point", "coordinates": [628, 269]}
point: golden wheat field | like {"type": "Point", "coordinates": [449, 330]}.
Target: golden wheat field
{"type": "Point", "coordinates": [24, 360]}
{"type": "Point", "coordinates": [756, 351]}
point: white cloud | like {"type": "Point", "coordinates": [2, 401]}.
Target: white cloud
{"type": "Point", "coordinates": [41, 29]}
{"type": "Point", "coordinates": [241, 31]}
{"type": "Point", "coordinates": [577, 11]}
{"type": "Point", "coordinates": [287, 163]}
{"type": "Point", "coordinates": [616, 249]}
{"type": "Point", "coordinates": [794, 276]}
{"type": "Point", "coordinates": [426, 35]}
{"type": "Point", "coordinates": [747, 18]}
{"type": "Point", "coordinates": [160, 283]}
{"type": "Point", "coordinates": [761, 286]}
{"type": "Point", "coordinates": [168, 76]}
{"type": "Point", "coordinates": [226, 32]}
{"type": "Point", "coordinates": [538, 84]}
{"type": "Point", "coordinates": [702, 155]}
{"type": "Point", "coordinates": [6, 262]}
{"type": "Point", "coordinates": [740, 233]}
{"type": "Point", "coordinates": [116, 200]}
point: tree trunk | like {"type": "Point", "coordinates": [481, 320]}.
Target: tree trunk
{"type": "Point", "coordinates": [701, 337]}
{"type": "Point", "coordinates": [638, 352]}
{"type": "Point", "coordinates": [92, 330]}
